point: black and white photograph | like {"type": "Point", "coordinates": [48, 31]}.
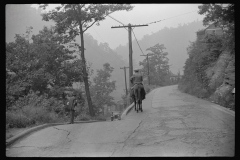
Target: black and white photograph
{"type": "Point", "coordinates": [120, 80]}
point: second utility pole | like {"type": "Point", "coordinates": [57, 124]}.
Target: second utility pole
{"type": "Point", "coordinates": [130, 48]}
{"type": "Point", "coordinates": [125, 79]}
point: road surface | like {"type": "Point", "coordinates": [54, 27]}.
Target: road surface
{"type": "Point", "coordinates": [171, 124]}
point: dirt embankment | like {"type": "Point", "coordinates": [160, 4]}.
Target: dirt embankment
{"type": "Point", "coordinates": [222, 79]}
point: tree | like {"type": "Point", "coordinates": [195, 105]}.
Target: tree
{"type": "Point", "coordinates": [74, 19]}
{"type": "Point", "coordinates": [18, 63]}
{"type": "Point", "coordinates": [103, 86]}
{"type": "Point", "coordinates": [38, 65]}
{"type": "Point", "coordinates": [218, 13]}
{"type": "Point", "coordinates": [224, 17]}
{"type": "Point", "coordinates": [56, 59]}
{"type": "Point", "coordinates": [158, 64]}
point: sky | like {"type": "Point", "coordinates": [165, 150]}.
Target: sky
{"type": "Point", "coordinates": [18, 17]}
{"type": "Point", "coordinates": [142, 14]}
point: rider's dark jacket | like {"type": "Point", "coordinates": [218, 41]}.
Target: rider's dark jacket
{"type": "Point", "coordinates": [136, 78]}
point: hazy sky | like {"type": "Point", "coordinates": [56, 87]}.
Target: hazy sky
{"type": "Point", "coordinates": [18, 17]}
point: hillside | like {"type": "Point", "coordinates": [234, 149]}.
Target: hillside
{"type": "Point", "coordinates": [176, 40]}
{"type": "Point", "coordinates": [210, 70]}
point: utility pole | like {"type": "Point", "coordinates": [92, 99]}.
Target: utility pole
{"type": "Point", "coordinates": [130, 47]}
{"type": "Point", "coordinates": [125, 79]}
{"type": "Point", "coordinates": [130, 54]}
{"type": "Point", "coordinates": [148, 66]}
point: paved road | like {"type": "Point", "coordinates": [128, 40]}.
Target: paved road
{"type": "Point", "coordinates": [171, 124]}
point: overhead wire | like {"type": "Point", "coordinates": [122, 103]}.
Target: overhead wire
{"type": "Point", "coordinates": [120, 23]}
{"type": "Point", "coordinates": [150, 23]}
{"type": "Point", "coordinates": [172, 17]}
{"type": "Point", "coordinates": [126, 29]}
{"type": "Point", "coordinates": [138, 43]}
{"type": "Point", "coordinates": [117, 21]}
{"type": "Point", "coordinates": [159, 21]}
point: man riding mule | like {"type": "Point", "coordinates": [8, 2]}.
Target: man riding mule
{"type": "Point", "coordinates": [137, 91]}
{"type": "Point", "coordinates": [136, 80]}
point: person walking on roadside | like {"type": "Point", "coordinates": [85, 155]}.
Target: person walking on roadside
{"type": "Point", "coordinates": [72, 102]}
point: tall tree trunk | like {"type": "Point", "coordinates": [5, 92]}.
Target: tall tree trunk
{"type": "Point", "coordinates": [85, 75]}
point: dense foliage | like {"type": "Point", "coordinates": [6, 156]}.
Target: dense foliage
{"type": "Point", "coordinates": [209, 72]}
{"type": "Point", "coordinates": [224, 16]}
{"type": "Point", "coordinates": [40, 67]}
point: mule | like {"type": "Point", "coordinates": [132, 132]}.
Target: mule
{"type": "Point", "coordinates": [133, 98]}
{"type": "Point", "coordinates": [138, 96]}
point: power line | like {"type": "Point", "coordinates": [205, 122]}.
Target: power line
{"type": "Point", "coordinates": [172, 17]}
{"type": "Point", "coordinates": [150, 23]}
{"type": "Point", "coordinates": [126, 29]}
{"type": "Point", "coordinates": [137, 42]}
{"type": "Point", "coordinates": [117, 21]}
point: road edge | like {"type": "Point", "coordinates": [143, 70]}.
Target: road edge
{"type": "Point", "coordinates": [127, 110]}
{"type": "Point", "coordinates": [19, 136]}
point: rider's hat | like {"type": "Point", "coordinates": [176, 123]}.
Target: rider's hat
{"type": "Point", "coordinates": [136, 70]}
